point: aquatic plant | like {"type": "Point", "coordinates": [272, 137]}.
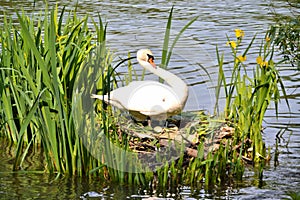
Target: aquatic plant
{"type": "Point", "coordinates": [294, 195]}
{"type": "Point", "coordinates": [167, 51]}
{"type": "Point", "coordinates": [285, 33]}
{"type": "Point", "coordinates": [40, 60]}
{"type": "Point", "coordinates": [248, 97]}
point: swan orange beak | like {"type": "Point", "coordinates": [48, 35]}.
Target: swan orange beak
{"type": "Point", "coordinates": [151, 61]}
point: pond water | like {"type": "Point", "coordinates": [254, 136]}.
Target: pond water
{"type": "Point", "coordinates": [141, 24]}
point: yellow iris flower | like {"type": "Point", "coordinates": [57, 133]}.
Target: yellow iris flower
{"type": "Point", "coordinates": [242, 58]}
{"type": "Point", "coordinates": [239, 33]}
{"type": "Point", "coordinates": [232, 44]}
{"type": "Point", "coordinates": [261, 62]}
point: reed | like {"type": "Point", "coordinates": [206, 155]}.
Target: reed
{"type": "Point", "coordinates": [294, 195]}
{"type": "Point", "coordinates": [40, 60]}
{"type": "Point", "coordinates": [248, 97]}
{"type": "Point", "coordinates": [167, 49]}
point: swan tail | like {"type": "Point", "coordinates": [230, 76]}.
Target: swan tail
{"type": "Point", "coordinates": [101, 97]}
{"type": "Point", "coordinates": [109, 101]}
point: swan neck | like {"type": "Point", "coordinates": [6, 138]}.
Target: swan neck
{"type": "Point", "coordinates": [178, 85]}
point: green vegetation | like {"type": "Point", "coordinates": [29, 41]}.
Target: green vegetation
{"type": "Point", "coordinates": [285, 34]}
{"type": "Point", "coordinates": [40, 60]}
{"type": "Point", "coordinates": [247, 98]}
{"type": "Point", "coordinates": [293, 195]}
{"type": "Point", "coordinates": [52, 63]}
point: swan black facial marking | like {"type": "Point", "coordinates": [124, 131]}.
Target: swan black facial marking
{"type": "Point", "coordinates": [150, 57]}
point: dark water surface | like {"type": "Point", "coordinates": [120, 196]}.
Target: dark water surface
{"type": "Point", "coordinates": [140, 24]}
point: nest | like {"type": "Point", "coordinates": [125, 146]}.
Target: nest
{"type": "Point", "coordinates": [179, 136]}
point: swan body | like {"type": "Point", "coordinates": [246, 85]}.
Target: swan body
{"type": "Point", "coordinates": [150, 98]}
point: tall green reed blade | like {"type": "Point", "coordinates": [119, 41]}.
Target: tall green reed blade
{"type": "Point", "coordinates": [166, 41]}
{"type": "Point", "coordinates": [58, 92]}
{"type": "Point", "coordinates": [167, 52]}
{"type": "Point", "coordinates": [8, 116]}
{"type": "Point", "coordinates": [28, 40]}
{"type": "Point", "coordinates": [176, 40]}
{"type": "Point", "coordinates": [221, 80]}
{"type": "Point", "coordinates": [26, 122]}
{"type": "Point", "coordinates": [100, 30]}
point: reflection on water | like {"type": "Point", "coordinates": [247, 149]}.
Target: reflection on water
{"type": "Point", "coordinates": [141, 24]}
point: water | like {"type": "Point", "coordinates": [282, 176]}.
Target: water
{"type": "Point", "coordinates": [141, 24]}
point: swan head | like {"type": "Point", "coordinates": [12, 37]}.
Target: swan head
{"type": "Point", "coordinates": [146, 55]}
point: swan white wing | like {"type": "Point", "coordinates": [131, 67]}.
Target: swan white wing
{"type": "Point", "coordinates": [120, 97]}
{"type": "Point", "coordinates": [147, 97]}
{"type": "Point", "coordinates": [153, 98]}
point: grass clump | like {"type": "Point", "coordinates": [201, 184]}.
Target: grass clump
{"type": "Point", "coordinates": [248, 97]}
{"type": "Point", "coordinates": [40, 61]}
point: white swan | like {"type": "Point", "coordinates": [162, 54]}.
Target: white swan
{"type": "Point", "coordinates": [152, 99]}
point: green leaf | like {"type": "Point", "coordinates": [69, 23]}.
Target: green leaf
{"type": "Point", "coordinates": [166, 41]}
{"type": "Point", "coordinates": [30, 43]}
